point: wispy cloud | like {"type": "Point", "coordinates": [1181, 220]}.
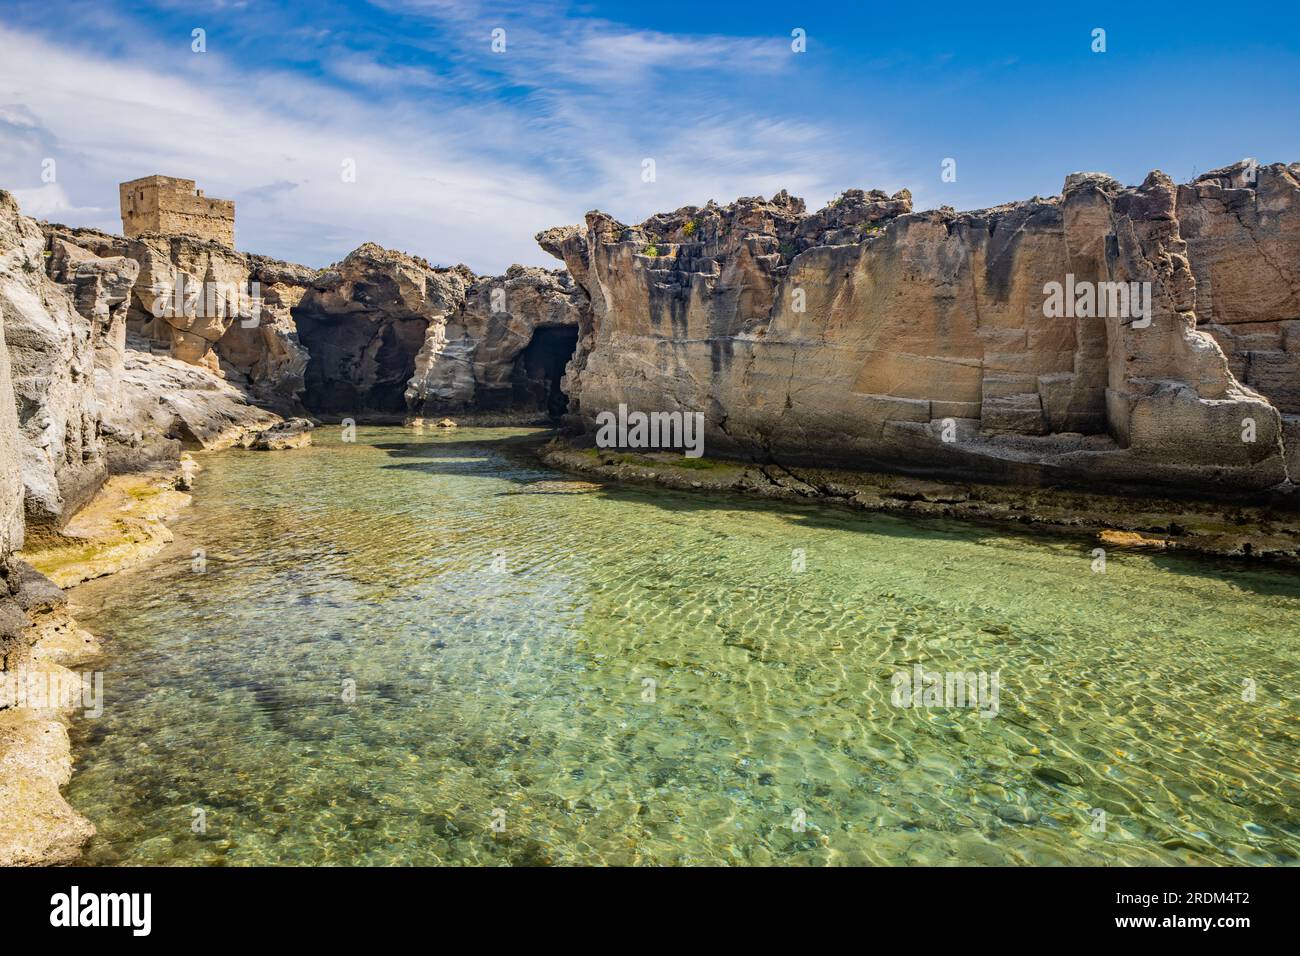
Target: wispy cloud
{"type": "Point", "coordinates": [461, 154]}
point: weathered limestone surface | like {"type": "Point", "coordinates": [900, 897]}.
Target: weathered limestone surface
{"type": "Point", "coordinates": [37, 689]}
{"type": "Point", "coordinates": [11, 478]}
{"type": "Point", "coordinates": [266, 356]}
{"type": "Point", "coordinates": [389, 334]}
{"type": "Point", "coordinates": [363, 323]}
{"type": "Point", "coordinates": [471, 358]}
{"type": "Point", "coordinates": [39, 644]}
{"type": "Point", "coordinates": [1243, 235]}
{"type": "Point", "coordinates": [215, 321]}
{"type": "Point", "coordinates": [168, 405]}
{"type": "Point", "coordinates": [61, 341]}
{"type": "Point", "coordinates": [864, 334]}
{"type": "Point", "coordinates": [37, 825]}
{"type": "Point", "coordinates": [380, 335]}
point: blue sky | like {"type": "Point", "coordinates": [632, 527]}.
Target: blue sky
{"type": "Point", "coordinates": [462, 154]}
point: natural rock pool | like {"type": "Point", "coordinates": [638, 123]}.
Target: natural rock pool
{"type": "Point", "coordinates": [502, 625]}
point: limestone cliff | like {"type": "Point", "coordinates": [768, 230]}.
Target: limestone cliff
{"type": "Point", "coordinates": [868, 335]}
{"type": "Point", "coordinates": [204, 304]}
{"type": "Point", "coordinates": [505, 346]}
{"type": "Point", "coordinates": [37, 638]}
{"type": "Point", "coordinates": [390, 335]}
{"type": "Point", "coordinates": [65, 338]}
{"type": "Point", "coordinates": [379, 336]}
{"type": "Point", "coordinates": [363, 322]}
{"type": "Point", "coordinates": [11, 477]}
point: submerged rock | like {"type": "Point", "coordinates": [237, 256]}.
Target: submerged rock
{"type": "Point", "coordinates": [557, 488]}
{"type": "Point", "coordinates": [292, 433]}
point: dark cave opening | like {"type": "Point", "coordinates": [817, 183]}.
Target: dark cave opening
{"type": "Point", "coordinates": [540, 367]}
{"type": "Point", "coordinates": [359, 364]}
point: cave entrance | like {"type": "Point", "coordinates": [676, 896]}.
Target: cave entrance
{"type": "Point", "coordinates": [541, 366]}
{"type": "Point", "coordinates": [359, 364]}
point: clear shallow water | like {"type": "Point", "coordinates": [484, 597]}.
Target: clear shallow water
{"type": "Point", "coordinates": [517, 697]}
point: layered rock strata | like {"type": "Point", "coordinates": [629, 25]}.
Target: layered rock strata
{"type": "Point", "coordinates": [505, 346]}
{"type": "Point", "coordinates": [379, 336]}
{"type": "Point", "coordinates": [867, 335]}
{"type": "Point", "coordinates": [205, 304]}
{"type": "Point", "coordinates": [392, 336]}
{"type": "Point", "coordinates": [37, 638]}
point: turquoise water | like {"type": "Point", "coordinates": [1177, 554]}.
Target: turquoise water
{"type": "Point", "coordinates": [429, 649]}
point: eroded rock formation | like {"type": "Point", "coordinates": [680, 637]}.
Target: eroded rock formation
{"type": "Point", "coordinates": [869, 335]}
{"type": "Point", "coordinates": [391, 335]}
{"type": "Point", "coordinates": [504, 347]}
{"type": "Point", "coordinates": [363, 323]}
{"type": "Point", "coordinates": [379, 336]}
{"type": "Point", "coordinates": [205, 304]}
{"type": "Point", "coordinates": [39, 474]}
{"type": "Point", "coordinates": [61, 340]}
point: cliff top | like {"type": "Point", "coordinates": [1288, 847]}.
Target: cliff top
{"type": "Point", "coordinates": [854, 216]}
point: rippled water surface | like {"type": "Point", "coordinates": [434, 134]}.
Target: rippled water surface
{"type": "Point", "coordinates": [550, 673]}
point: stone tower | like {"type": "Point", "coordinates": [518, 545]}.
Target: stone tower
{"type": "Point", "coordinates": [170, 206]}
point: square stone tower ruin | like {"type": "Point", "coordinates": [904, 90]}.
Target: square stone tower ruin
{"type": "Point", "coordinates": [171, 206]}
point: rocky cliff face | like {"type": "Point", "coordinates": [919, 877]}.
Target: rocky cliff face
{"type": "Point", "coordinates": [12, 619]}
{"type": "Point", "coordinates": [11, 477]}
{"type": "Point", "coordinates": [50, 456]}
{"type": "Point", "coordinates": [505, 346]}
{"type": "Point", "coordinates": [379, 336]}
{"type": "Point", "coordinates": [389, 335]}
{"type": "Point", "coordinates": [869, 335]}
{"type": "Point", "coordinates": [64, 343]}
{"type": "Point", "coordinates": [363, 323]}
{"type": "Point", "coordinates": [1242, 229]}
{"type": "Point", "coordinates": [204, 304]}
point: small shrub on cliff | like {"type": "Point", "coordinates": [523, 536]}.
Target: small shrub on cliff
{"type": "Point", "coordinates": [691, 228]}
{"type": "Point", "coordinates": [652, 250]}
{"type": "Point", "coordinates": [789, 250]}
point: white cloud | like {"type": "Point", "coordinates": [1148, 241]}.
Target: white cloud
{"type": "Point", "coordinates": [125, 121]}
{"type": "Point", "coordinates": [603, 55]}
{"type": "Point", "coordinates": [52, 203]}
{"type": "Point", "coordinates": [445, 169]}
